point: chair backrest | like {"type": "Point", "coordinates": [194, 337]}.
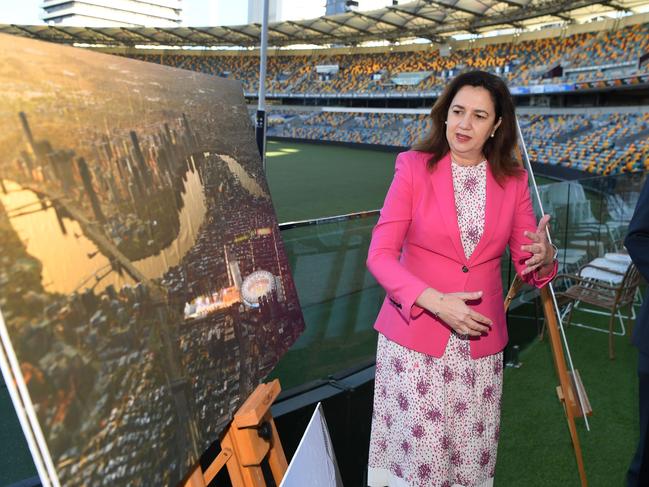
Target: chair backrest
{"type": "Point", "coordinates": [620, 207]}
{"type": "Point", "coordinates": [627, 289]}
{"type": "Point", "coordinates": [557, 195]}
{"type": "Point", "coordinates": [560, 192]}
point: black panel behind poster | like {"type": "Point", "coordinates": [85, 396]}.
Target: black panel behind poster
{"type": "Point", "coordinates": [143, 283]}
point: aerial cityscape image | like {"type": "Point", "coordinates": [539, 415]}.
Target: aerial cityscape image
{"type": "Point", "coordinates": [144, 285]}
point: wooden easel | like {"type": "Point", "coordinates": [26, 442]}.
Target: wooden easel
{"type": "Point", "coordinates": [568, 383]}
{"type": "Point", "coordinates": [246, 443]}
{"type": "Point", "coordinates": [570, 388]}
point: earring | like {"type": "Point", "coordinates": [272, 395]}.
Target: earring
{"type": "Point", "coordinates": [445, 122]}
{"type": "Point", "coordinates": [492, 135]}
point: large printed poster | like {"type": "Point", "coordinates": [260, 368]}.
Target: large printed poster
{"type": "Point", "coordinates": [144, 289]}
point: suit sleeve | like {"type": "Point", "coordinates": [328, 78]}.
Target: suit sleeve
{"type": "Point", "coordinates": [402, 287]}
{"type": "Point", "coordinates": [524, 220]}
{"type": "Point", "coordinates": [637, 240]}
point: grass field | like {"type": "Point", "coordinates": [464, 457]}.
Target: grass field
{"type": "Point", "coordinates": [312, 181]}
{"type": "Point", "coordinates": [309, 181]}
{"type": "Point", "coordinates": [535, 448]}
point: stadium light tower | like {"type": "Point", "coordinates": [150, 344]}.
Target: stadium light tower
{"type": "Point", "coordinates": [260, 129]}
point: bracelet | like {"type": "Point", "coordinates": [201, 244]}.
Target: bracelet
{"type": "Point", "coordinates": [436, 313]}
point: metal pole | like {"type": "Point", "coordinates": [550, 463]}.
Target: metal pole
{"type": "Point", "coordinates": [260, 129]}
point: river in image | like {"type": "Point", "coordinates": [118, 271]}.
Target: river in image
{"type": "Point", "coordinates": [71, 261]}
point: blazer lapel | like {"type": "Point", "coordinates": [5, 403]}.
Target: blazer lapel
{"type": "Point", "coordinates": [495, 194]}
{"type": "Point", "coordinates": [442, 181]}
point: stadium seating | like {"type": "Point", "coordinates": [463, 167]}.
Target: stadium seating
{"type": "Point", "coordinates": [595, 143]}
{"type": "Point", "coordinates": [585, 56]}
{"type": "Point", "coordinates": [600, 144]}
{"type": "Point", "coordinates": [611, 47]}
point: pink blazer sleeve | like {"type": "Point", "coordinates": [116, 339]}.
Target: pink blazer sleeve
{"type": "Point", "coordinates": [524, 219]}
{"type": "Point", "coordinates": [402, 287]}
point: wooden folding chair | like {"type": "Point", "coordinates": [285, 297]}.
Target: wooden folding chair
{"type": "Point", "coordinates": [599, 294]}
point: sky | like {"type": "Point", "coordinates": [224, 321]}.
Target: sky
{"type": "Point", "coordinates": [198, 13]}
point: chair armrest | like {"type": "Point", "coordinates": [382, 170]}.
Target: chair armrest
{"type": "Point", "coordinates": [590, 282]}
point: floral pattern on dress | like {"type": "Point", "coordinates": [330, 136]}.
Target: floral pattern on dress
{"type": "Point", "coordinates": [444, 413]}
{"type": "Point", "coordinates": [470, 188]}
{"type": "Point", "coordinates": [439, 432]}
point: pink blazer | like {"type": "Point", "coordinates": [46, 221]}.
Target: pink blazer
{"type": "Point", "coordinates": [416, 244]}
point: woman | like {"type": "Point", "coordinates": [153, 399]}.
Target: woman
{"type": "Point", "coordinates": [455, 202]}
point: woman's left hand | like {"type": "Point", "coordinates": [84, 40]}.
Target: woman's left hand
{"type": "Point", "coordinates": [542, 251]}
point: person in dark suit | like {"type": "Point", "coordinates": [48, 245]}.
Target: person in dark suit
{"type": "Point", "coordinates": [637, 243]}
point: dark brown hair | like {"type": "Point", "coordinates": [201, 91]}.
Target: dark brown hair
{"type": "Point", "coordinates": [498, 149]}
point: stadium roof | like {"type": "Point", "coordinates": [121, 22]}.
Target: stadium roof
{"type": "Point", "coordinates": [435, 20]}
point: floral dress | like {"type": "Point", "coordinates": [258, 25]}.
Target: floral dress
{"type": "Point", "coordinates": [436, 421]}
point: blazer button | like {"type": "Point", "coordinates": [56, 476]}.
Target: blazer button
{"type": "Point", "coordinates": [465, 268]}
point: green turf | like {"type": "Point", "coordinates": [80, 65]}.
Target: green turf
{"type": "Point", "coordinates": [535, 448]}
{"type": "Point", "coordinates": [311, 181]}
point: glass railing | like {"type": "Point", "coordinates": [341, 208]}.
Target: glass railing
{"type": "Point", "coordinates": [340, 299]}
{"type": "Point", "coordinates": [590, 216]}
{"type": "Point", "coordinates": [338, 296]}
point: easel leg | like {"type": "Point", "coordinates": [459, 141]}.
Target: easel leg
{"type": "Point", "coordinates": [576, 444]}
{"type": "Point", "coordinates": [196, 479]}
{"type": "Point", "coordinates": [218, 463]}
{"type": "Point", "coordinates": [240, 476]}
{"type": "Point", "coordinates": [276, 457]}
{"type": "Point", "coordinates": [565, 390]}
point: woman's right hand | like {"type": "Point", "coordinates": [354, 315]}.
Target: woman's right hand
{"type": "Point", "coordinates": [453, 310]}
